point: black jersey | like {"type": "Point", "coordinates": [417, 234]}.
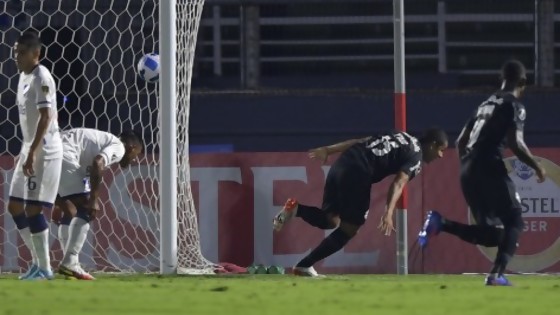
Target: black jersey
{"type": "Point", "coordinates": [386, 155]}
{"type": "Point", "coordinates": [490, 124]}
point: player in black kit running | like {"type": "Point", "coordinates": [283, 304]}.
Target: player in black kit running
{"type": "Point", "coordinates": [487, 188]}
{"type": "Point", "coordinates": [347, 190]}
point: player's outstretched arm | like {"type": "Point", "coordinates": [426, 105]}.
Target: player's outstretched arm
{"type": "Point", "coordinates": [42, 126]}
{"type": "Point", "coordinates": [517, 145]}
{"type": "Point", "coordinates": [393, 195]}
{"type": "Point", "coordinates": [95, 176]}
{"type": "Point", "coordinates": [323, 152]}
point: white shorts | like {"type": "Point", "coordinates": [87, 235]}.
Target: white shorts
{"type": "Point", "coordinates": [74, 179]}
{"type": "Point", "coordinates": [40, 188]}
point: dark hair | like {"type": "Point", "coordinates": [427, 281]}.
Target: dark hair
{"type": "Point", "coordinates": [30, 39]}
{"type": "Point", "coordinates": [434, 134]}
{"type": "Point", "coordinates": [514, 71]}
{"type": "Point", "coordinates": [132, 137]}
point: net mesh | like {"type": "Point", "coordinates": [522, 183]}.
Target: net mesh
{"type": "Point", "coordinates": [190, 257]}
{"type": "Point", "coordinates": [92, 48]}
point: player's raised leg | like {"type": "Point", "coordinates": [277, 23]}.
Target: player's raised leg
{"type": "Point", "coordinates": [477, 234]}
{"type": "Point", "coordinates": [286, 214]}
{"type": "Point", "coordinates": [312, 215]}
{"type": "Point", "coordinates": [320, 218]}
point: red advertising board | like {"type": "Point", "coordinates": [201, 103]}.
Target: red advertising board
{"type": "Point", "coordinates": [239, 193]}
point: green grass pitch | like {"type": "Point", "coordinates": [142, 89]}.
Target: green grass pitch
{"type": "Point", "coordinates": [280, 294]}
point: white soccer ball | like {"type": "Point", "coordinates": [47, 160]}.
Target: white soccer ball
{"type": "Point", "coordinates": [148, 67]}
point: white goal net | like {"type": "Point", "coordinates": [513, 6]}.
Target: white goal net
{"type": "Point", "coordinates": [92, 48]}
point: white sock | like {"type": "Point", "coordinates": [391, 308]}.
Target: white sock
{"type": "Point", "coordinates": [26, 236]}
{"type": "Point", "coordinates": [77, 237]}
{"type": "Point", "coordinates": [41, 244]}
{"type": "Point", "coordinates": [63, 231]}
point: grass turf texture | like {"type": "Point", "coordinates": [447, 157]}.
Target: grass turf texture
{"type": "Point", "coordinates": [280, 294]}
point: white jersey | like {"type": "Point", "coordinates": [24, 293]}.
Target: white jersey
{"type": "Point", "coordinates": [84, 144]}
{"type": "Point", "coordinates": [37, 90]}
{"type": "Point", "coordinates": [81, 147]}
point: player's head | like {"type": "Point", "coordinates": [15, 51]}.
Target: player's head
{"type": "Point", "coordinates": [27, 50]}
{"type": "Point", "coordinates": [133, 147]}
{"type": "Point", "coordinates": [433, 142]}
{"type": "Point", "coordinates": [514, 76]}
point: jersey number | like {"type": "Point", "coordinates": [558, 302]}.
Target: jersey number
{"type": "Point", "coordinates": [31, 184]}
{"type": "Point", "coordinates": [483, 114]}
{"type": "Point", "coordinates": [385, 144]}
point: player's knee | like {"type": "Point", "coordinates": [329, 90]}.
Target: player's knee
{"type": "Point", "coordinates": [332, 222]}
{"type": "Point", "coordinates": [66, 212]}
{"type": "Point", "coordinates": [340, 237]}
{"type": "Point", "coordinates": [349, 229]}
{"type": "Point", "coordinates": [62, 215]}
{"type": "Point", "coordinates": [15, 208]}
{"type": "Point", "coordinates": [331, 225]}
{"type": "Point", "coordinates": [83, 213]}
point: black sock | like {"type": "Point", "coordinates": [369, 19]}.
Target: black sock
{"type": "Point", "coordinates": [484, 235]}
{"type": "Point", "coordinates": [506, 249]}
{"type": "Point", "coordinates": [330, 245]}
{"type": "Point", "coordinates": [314, 216]}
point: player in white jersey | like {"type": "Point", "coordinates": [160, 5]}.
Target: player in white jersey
{"type": "Point", "coordinates": [87, 152]}
{"type": "Point", "coordinates": [37, 173]}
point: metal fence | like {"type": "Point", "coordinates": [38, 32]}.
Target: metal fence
{"type": "Point", "coordinates": [302, 37]}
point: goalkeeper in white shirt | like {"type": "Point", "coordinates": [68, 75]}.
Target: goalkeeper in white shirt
{"type": "Point", "coordinates": [87, 153]}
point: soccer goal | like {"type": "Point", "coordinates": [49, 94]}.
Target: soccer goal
{"type": "Point", "coordinates": [148, 221]}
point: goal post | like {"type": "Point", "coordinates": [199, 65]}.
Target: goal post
{"type": "Point", "coordinates": [168, 131]}
{"type": "Point", "coordinates": [400, 124]}
{"type": "Point", "coordinates": [147, 221]}
{"type": "Point", "coordinates": [179, 22]}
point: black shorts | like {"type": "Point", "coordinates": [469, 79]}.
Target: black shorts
{"type": "Point", "coordinates": [489, 192]}
{"type": "Point", "coordinates": [347, 192]}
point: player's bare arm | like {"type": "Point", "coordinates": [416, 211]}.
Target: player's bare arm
{"type": "Point", "coordinates": [322, 153]}
{"type": "Point", "coordinates": [95, 177]}
{"type": "Point", "coordinates": [517, 145]}
{"type": "Point", "coordinates": [464, 138]}
{"type": "Point", "coordinates": [42, 126]}
{"type": "Point", "coordinates": [393, 195]}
